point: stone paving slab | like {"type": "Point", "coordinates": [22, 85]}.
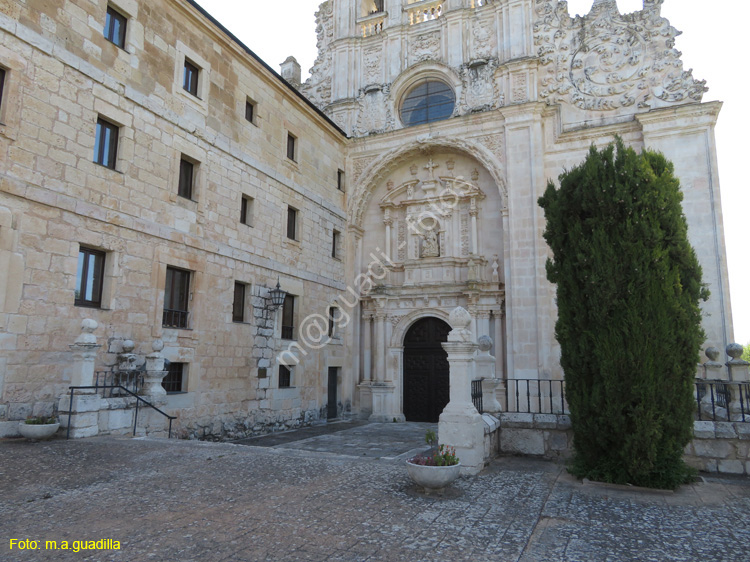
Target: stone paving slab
{"type": "Point", "coordinates": [214, 502]}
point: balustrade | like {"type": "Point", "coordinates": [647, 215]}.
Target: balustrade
{"type": "Point", "coordinates": [418, 12]}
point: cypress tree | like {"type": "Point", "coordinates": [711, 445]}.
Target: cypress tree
{"type": "Point", "coordinates": [629, 322]}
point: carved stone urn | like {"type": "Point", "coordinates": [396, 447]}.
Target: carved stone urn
{"type": "Point", "coordinates": [433, 478]}
{"type": "Point", "coordinates": [36, 431]}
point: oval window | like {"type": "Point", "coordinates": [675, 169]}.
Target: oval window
{"type": "Point", "coordinates": [427, 102]}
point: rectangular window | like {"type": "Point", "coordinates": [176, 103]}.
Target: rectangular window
{"type": "Point", "coordinates": [249, 111]}
{"type": "Point", "coordinates": [2, 83]}
{"type": "Point", "coordinates": [287, 318]}
{"type": "Point", "coordinates": [246, 210]}
{"type": "Point", "coordinates": [114, 27]}
{"type": "Point", "coordinates": [335, 241]}
{"type": "Point", "coordinates": [285, 376]}
{"type": "Point", "coordinates": [185, 187]}
{"type": "Point", "coordinates": [291, 223]}
{"type": "Point", "coordinates": [174, 382]}
{"type": "Point", "coordinates": [333, 313]}
{"type": "Point", "coordinates": [190, 78]}
{"type": "Point", "coordinates": [291, 147]}
{"type": "Point", "coordinates": [90, 278]}
{"type": "Point", "coordinates": [176, 298]}
{"type": "Point", "coordinates": [341, 184]}
{"type": "Point", "coordinates": [238, 308]}
{"type": "Point", "coordinates": [105, 144]}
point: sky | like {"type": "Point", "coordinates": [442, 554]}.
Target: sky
{"type": "Point", "coordinates": [713, 39]}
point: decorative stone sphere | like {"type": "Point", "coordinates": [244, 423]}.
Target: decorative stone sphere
{"type": "Point", "coordinates": [158, 345]}
{"type": "Point", "coordinates": [734, 350]}
{"type": "Point", "coordinates": [128, 346]}
{"type": "Point", "coordinates": [485, 343]}
{"type": "Point", "coordinates": [88, 325]}
{"type": "Point", "coordinates": [459, 319]}
{"type": "Point", "coordinates": [712, 353]}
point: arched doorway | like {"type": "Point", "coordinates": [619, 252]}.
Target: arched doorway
{"type": "Point", "coordinates": [426, 373]}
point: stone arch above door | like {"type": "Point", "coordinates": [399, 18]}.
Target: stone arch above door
{"type": "Point", "coordinates": [408, 320]}
{"type": "Point", "coordinates": [377, 170]}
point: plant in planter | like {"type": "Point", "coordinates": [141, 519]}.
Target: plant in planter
{"type": "Point", "coordinates": [434, 471]}
{"type": "Point", "coordinates": [39, 427]}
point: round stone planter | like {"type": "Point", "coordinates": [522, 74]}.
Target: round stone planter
{"type": "Point", "coordinates": [433, 478]}
{"type": "Point", "coordinates": [37, 432]}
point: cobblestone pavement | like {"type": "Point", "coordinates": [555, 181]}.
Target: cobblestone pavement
{"type": "Point", "coordinates": [188, 501]}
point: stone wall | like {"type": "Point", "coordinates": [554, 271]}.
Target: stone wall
{"type": "Point", "coordinates": [63, 75]}
{"type": "Point", "coordinates": [545, 435]}
{"type": "Point", "coordinates": [720, 447]}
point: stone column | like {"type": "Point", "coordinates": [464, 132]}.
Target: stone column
{"type": "Point", "coordinates": [367, 348]}
{"type": "Point", "coordinates": [388, 222]}
{"type": "Point", "coordinates": [379, 363]}
{"type": "Point", "coordinates": [155, 373]}
{"type": "Point", "coordinates": [460, 424]}
{"type": "Point", "coordinates": [82, 406]}
{"type": "Point", "coordinates": [473, 212]}
{"type": "Point", "coordinates": [485, 370]}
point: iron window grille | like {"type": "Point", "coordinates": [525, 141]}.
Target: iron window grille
{"type": "Point", "coordinates": [190, 78]}
{"type": "Point", "coordinates": [176, 297]}
{"type": "Point", "coordinates": [287, 318]}
{"type": "Point", "coordinates": [238, 307]}
{"type": "Point", "coordinates": [173, 382]}
{"type": "Point", "coordinates": [105, 144]}
{"type": "Point", "coordinates": [90, 278]}
{"type": "Point", "coordinates": [285, 376]}
{"type": "Point", "coordinates": [187, 172]}
{"type": "Point", "coordinates": [115, 26]}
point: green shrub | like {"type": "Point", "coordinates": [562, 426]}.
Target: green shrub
{"type": "Point", "coordinates": [629, 322]}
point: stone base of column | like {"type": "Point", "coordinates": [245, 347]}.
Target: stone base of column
{"type": "Point", "coordinates": [384, 408]}
{"type": "Point", "coordinates": [365, 399]}
{"type": "Point", "coordinates": [83, 415]}
{"type": "Point", "coordinates": [463, 428]}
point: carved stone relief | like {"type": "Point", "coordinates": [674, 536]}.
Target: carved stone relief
{"type": "Point", "coordinates": [359, 165]}
{"type": "Point", "coordinates": [317, 87]}
{"type": "Point", "coordinates": [371, 62]}
{"type": "Point", "coordinates": [479, 86]}
{"type": "Point", "coordinates": [373, 113]}
{"type": "Point", "coordinates": [494, 144]}
{"type": "Point", "coordinates": [483, 38]}
{"type": "Point", "coordinates": [425, 46]}
{"type": "Point", "coordinates": [606, 61]}
{"type": "Point", "coordinates": [520, 87]}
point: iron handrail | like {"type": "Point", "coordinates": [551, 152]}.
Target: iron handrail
{"type": "Point", "coordinates": [139, 399]}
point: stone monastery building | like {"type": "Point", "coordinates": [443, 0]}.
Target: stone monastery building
{"type": "Point", "coordinates": [158, 178]}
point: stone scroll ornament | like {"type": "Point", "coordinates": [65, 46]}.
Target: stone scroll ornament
{"type": "Point", "coordinates": [606, 61]}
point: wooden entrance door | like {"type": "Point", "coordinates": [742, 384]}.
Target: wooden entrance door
{"type": "Point", "coordinates": [333, 381]}
{"type": "Point", "coordinates": [426, 373]}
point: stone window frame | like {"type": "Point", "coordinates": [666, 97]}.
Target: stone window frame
{"type": "Point", "coordinates": [109, 279]}
{"type": "Point", "coordinates": [426, 97]}
{"type": "Point", "coordinates": [246, 305]}
{"type": "Point", "coordinates": [184, 150]}
{"type": "Point", "coordinates": [82, 272]}
{"type": "Point", "coordinates": [293, 215]}
{"type": "Point", "coordinates": [247, 210]}
{"type": "Point", "coordinates": [289, 330]}
{"type": "Point", "coordinates": [286, 376]}
{"type": "Point", "coordinates": [251, 104]}
{"type": "Point", "coordinates": [292, 147]}
{"type": "Point", "coordinates": [341, 180]}
{"type": "Point", "coordinates": [188, 172]}
{"type": "Point", "coordinates": [200, 99]}
{"type": "Point", "coordinates": [336, 245]}
{"type": "Point", "coordinates": [14, 65]}
{"type": "Point", "coordinates": [186, 304]}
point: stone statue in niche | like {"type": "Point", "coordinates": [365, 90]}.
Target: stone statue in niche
{"type": "Point", "coordinates": [430, 246]}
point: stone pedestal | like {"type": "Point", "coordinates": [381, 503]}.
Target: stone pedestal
{"type": "Point", "coordinates": [460, 424]}
{"type": "Point", "coordinates": [484, 366]}
{"type": "Point", "coordinates": [83, 413]}
{"type": "Point", "coordinates": [384, 407]}
{"type": "Point", "coordinates": [152, 388]}
{"type": "Point", "coordinates": [738, 368]}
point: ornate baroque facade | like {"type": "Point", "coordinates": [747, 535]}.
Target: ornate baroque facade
{"type": "Point", "coordinates": [412, 182]}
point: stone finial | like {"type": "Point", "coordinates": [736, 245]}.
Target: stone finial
{"type": "Point", "coordinates": [128, 346]}
{"type": "Point", "coordinates": [459, 319]}
{"type": "Point", "coordinates": [291, 71]}
{"type": "Point", "coordinates": [158, 345]}
{"type": "Point", "coordinates": [735, 351]}
{"type": "Point", "coordinates": [87, 336]}
{"type": "Point", "coordinates": [712, 353]}
{"type": "Point", "coordinates": [485, 344]}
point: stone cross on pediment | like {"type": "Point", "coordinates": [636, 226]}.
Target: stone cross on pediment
{"type": "Point", "coordinates": [431, 168]}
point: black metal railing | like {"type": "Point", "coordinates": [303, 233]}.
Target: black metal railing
{"type": "Point", "coordinates": [287, 332]}
{"type": "Point", "coordinates": [476, 395]}
{"type": "Point", "coordinates": [123, 390]}
{"type": "Point", "coordinates": [536, 396]}
{"type": "Point", "coordinates": [109, 381]}
{"type": "Point", "coordinates": [174, 318]}
{"type": "Point", "coordinates": [722, 400]}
